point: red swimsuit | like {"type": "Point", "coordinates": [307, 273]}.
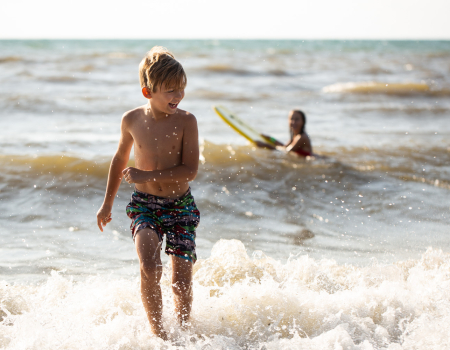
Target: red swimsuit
{"type": "Point", "coordinates": [303, 153]}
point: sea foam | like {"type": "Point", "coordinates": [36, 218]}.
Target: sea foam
{"type": "Point", "coordinates": [243, 302]}
{"type": "Point", "coordinates": [377, 88]}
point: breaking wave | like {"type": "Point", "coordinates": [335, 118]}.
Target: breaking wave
{"type": "Point", "coordinates": [243, 302]}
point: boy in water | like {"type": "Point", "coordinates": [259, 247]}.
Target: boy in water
{"type": "Point", "coordinates": [166, 152]}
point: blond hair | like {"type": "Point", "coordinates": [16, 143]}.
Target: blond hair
{"type": "Point", "coordinates": [159, 67]}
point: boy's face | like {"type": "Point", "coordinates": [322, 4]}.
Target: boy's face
{"type": "Point", "coordinates": [166, 99]}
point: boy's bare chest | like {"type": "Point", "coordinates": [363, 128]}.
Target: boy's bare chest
{"type": "Point", "coordinates": [158, 137]}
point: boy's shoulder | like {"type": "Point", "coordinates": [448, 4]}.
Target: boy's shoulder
{"type": "Point", "coordinates": [185, 115]}
{"type": "Point", "coordinates": [138, 112]}
{"type": "Point", "coordinates": [133, 114]}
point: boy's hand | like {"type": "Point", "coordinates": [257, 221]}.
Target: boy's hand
{"type": "Point", "coordinates": [103, 217]}
{"type": "Point", "coordinates": [133, 175]}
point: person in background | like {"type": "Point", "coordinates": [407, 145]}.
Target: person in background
{"type": "Point", "coordinates": [299, 142]}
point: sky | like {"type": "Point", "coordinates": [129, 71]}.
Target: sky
{"type": "Point", "coordinates": [231, 19]}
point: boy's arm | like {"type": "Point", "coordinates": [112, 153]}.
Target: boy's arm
{"type": "Point", "coordinates": [118, 163]}
{"type": "Point", "coordinates": [185, 172]}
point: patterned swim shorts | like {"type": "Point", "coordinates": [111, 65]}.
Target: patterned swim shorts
{"type": "Point", "coordinates": [176, 218]}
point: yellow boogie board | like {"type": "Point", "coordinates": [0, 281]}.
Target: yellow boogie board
{"type": "Point", "coordinates": [240, 126]}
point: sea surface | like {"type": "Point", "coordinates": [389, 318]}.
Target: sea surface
{"type": "Point", "coordinates": [349, 250]}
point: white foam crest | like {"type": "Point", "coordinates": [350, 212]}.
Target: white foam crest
{"type": "Point", "coordinates": [372, 306]}
{"type": "Point", "coordinates": [243, 302]}
{"type": "Point", "coordinates": [377, 87]}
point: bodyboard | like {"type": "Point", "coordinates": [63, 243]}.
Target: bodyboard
{"type": "Point", "coordinates": [241, 127]}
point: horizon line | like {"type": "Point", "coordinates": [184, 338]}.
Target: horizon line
{"type": "Point", "coordinates": [227, 38]}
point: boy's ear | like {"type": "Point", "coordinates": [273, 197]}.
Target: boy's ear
{"type": "Point", "coordinates": [146, 92]}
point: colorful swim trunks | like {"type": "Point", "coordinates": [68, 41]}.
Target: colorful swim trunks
{"type": "Point", "coordinates": [176, 218]}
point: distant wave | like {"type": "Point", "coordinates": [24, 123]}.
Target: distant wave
{"type": "Point", "coordinates": [239, 166]}
{"type": "Point", "coordinates": [10, 59]}
{"type": "Point", "coordinates": [54, 165]}
{"type": "Point", "coordinates": [59, 79]}
{"type": "Point", "coordinates": [216, 157]}
{"type": "Point", "coordinates": [277, 166]}
{"type": "Point", "coordinates": [120, 55]}
{"type": "Point", "coordinates": [373, 87]}
{"type": "Point", "coordinates": [113, 55]}
{"type": "Point", "coordinates": [278, 72]}
{"type": "Point", "coordinates": [223, 96]}
{"type": "Point", "coordinates": [408, 109]}
{"type": "Point", "coordinates": [228, 69]}
{"type": "Point", "coordinates": [412, 164]}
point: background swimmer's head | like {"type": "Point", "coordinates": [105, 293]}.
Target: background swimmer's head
{"type": "Point", "coordinates": [297, 122]}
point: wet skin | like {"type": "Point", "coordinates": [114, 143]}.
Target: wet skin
{"type": "Point", "coordinates": [165, 140]}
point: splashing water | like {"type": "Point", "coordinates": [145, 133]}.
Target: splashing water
{"type": "Point", "coordinates": [243, 302]}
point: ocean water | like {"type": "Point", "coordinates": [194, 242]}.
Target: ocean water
{"type": "Point", "coordinates": [347, 251]}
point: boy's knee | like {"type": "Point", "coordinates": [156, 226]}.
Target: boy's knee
{"type": "Point", "coordinates": [151, 269]}
{"type": "Point", "coordinates": [181, 289]}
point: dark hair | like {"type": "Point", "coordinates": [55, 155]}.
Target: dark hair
{"type": "Point", "coordinates": [302, 130]}
{"type": "Point", "coordinates": [304, 119]}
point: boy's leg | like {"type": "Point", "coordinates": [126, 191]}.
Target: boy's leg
{"type": "Point", "coordinates": [148, 248]}
{"type": "Point", "coordinates": [182, 287]}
